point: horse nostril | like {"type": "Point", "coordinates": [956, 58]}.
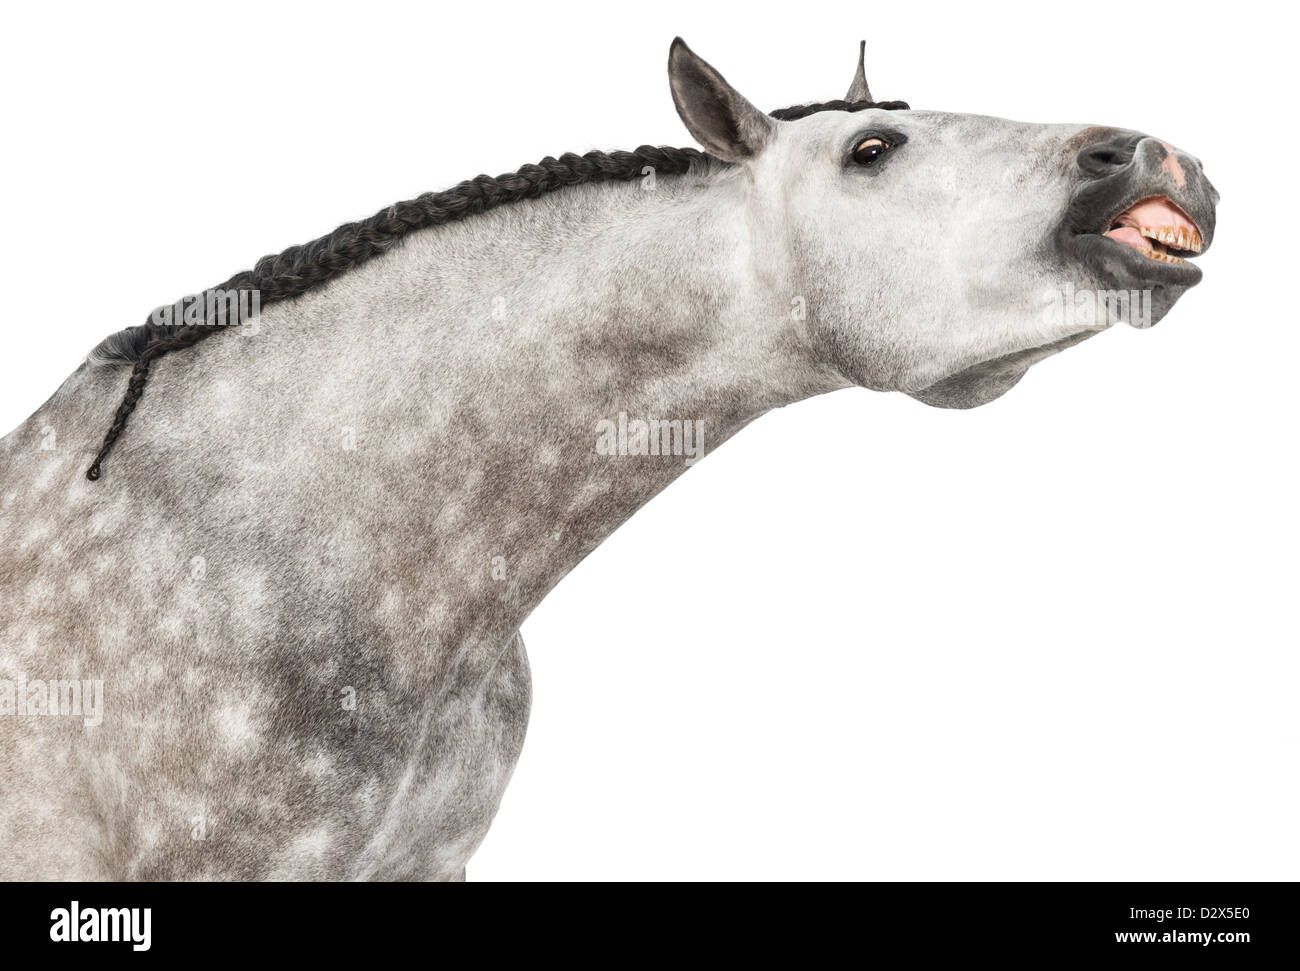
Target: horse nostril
{"type": "Point", "coordinates": [1108, 156]}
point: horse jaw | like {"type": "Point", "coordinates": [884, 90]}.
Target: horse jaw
{"type": "Point", "coordinates": [981, 383]}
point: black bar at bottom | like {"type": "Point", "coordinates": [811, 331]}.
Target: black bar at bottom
{"type": "Point", "coordinates": [330, 922]}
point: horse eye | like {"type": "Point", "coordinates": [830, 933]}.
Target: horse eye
{"type": "Point", "coordinates": [867, 151]}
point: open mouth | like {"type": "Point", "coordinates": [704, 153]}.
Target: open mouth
{"type": "Point", "coordinates": [1158, 230]}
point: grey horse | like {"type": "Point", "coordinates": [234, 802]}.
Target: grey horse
{"type": "Point", "coordinates": [275, 634]}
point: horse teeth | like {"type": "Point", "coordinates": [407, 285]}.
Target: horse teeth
{"type": "Point", "coordinates": [1180, 237]}
{"type": "Point", "coordinates": [1161, 257]}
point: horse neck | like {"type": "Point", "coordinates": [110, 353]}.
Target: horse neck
{"type": "Point", "coordinates": [478, 361]}
{"type": "Point", "coordinates": [652, 305]}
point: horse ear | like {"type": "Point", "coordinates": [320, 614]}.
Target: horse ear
{"type": "Point", "coordinates": [715, 113]}
{"type": "Point", "coordinates": [858, 90]}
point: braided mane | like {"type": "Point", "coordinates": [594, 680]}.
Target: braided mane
{"type": "Point", "coordinates": [301, 268]}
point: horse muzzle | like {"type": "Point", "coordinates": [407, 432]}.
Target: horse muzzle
{"type": "Point", "coordinates": [1141, 212]}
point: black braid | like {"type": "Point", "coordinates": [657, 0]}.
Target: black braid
{"type": "Point", "coordinates": [803, 111]}
{"type": "Point", "coordinates": [300, 268]}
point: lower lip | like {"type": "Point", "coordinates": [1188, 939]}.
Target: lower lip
{"type": "Point", "coordinates": [1100, 250]}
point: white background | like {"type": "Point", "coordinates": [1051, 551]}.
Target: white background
{"type": "Point", "coordinates": [1050, 638]}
